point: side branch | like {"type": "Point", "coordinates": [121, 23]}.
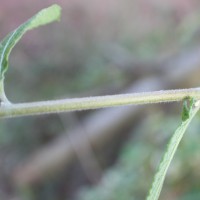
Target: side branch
{"type": "Point", "coordinates": [77, 104]}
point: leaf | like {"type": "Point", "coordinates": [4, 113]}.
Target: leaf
{"type": "Point", "coordinates": [43, 17]}
{"type": "Point", "coordinates": [186, 108]}
{"type": "Point", "coordinates": [172, 147]}
{"type": "Point", "coordinates": [185, 113]}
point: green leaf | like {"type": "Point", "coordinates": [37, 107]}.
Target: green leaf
{"type": "Point", "coordinates": [186, 108]}
{"type": "Point", "coordinates": [43, 17]}
{"type": "Point", "coordinates": [172, 147]}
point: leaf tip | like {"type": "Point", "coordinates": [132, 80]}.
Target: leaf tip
{"type": "Point", "coordinates": [57, 11]}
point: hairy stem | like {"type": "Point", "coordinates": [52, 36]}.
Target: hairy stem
{"type": "Point", "coordinates": [77, 104]}
{"type": "Point", "coordinates": [3, 98]}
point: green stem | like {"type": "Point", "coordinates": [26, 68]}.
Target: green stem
{"type": "Point", "coordinates": [77, 104]}
{"type": "Point", "coordinates": [3, 98]}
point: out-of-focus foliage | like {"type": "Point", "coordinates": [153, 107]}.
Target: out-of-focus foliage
{"type": "Point", "coordinates": [131, 177]}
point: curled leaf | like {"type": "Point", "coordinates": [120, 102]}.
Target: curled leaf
{"type": "Point", "coordinates": [43, 17]}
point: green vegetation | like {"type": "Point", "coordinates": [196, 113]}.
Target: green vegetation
{"type": "Point", "coordinates": [132, 175]}
{"type": "Point", "coordinates": [8, 109]}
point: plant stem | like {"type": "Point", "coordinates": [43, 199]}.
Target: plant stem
{"type": "Point", "coordinates": [77, 104]}
{"type": "Point", "coordinates": [3, 98]}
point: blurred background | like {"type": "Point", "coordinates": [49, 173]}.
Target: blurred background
{"type": "Point", "coordinates": [100, 48]}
